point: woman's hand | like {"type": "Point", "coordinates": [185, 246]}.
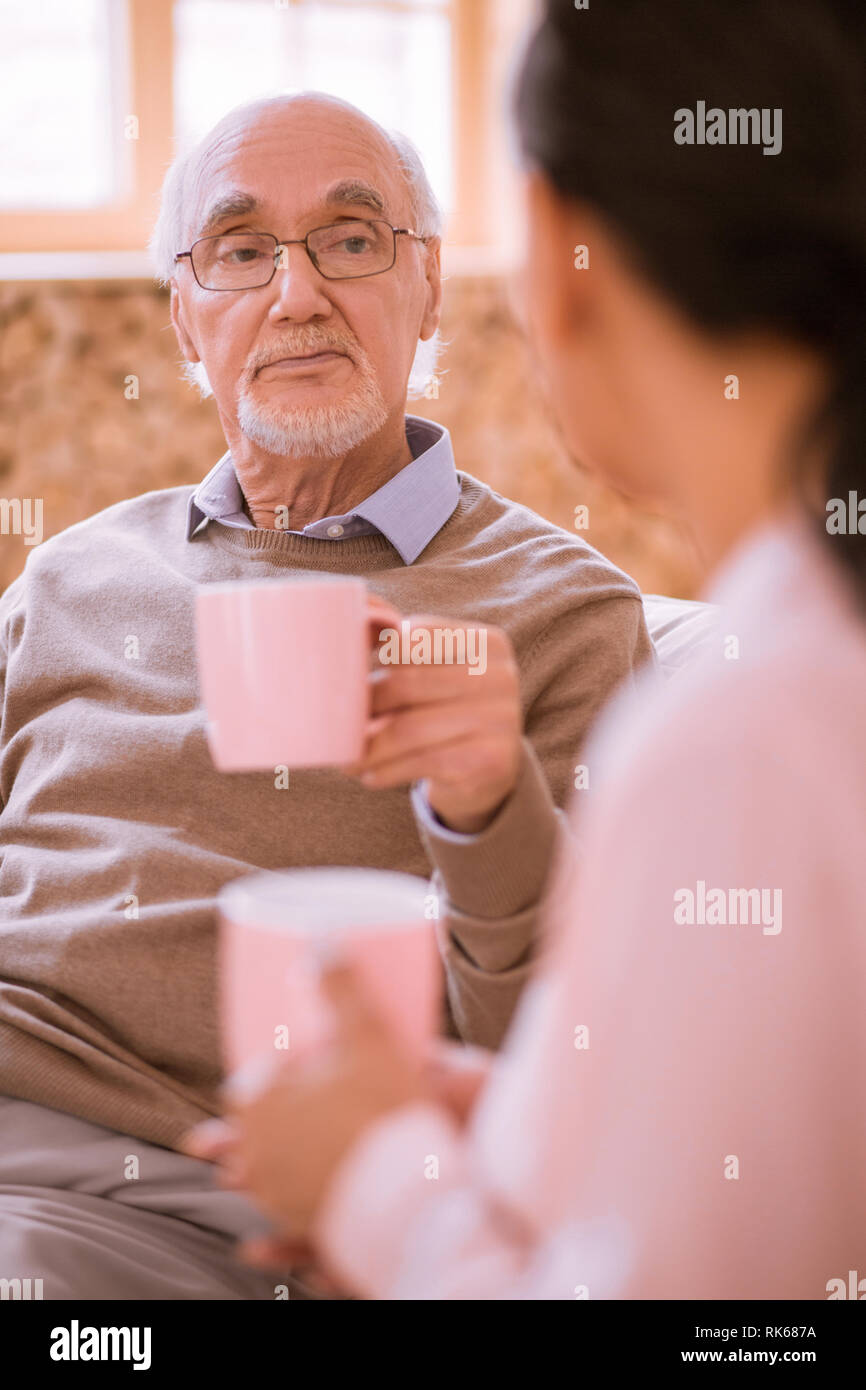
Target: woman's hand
{"type": "Point", "coordinates": [291, 1126]}
{"type": "Point", "coordinates": [455, 1076]}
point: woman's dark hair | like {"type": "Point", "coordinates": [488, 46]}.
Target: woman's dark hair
{"type": "Point", "coordinates": [736, 238]}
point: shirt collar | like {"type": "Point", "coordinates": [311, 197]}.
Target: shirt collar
{"type": "Point", "coordinates": [218, 497]}
{"type": "Point", "coordinates": [408, 510]}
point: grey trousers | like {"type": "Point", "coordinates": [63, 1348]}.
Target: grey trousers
{"type": "Point", "coordinates": [95, 1214]}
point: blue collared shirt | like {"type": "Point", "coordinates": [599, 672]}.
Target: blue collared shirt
{"type": "Point", "coordinates": [408, 510]}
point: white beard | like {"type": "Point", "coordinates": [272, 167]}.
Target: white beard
{"type": "Point", "coordinates": [311, 431]}
{"type": "Point", "coordinates": [325, 431]}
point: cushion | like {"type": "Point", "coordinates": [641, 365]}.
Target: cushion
{"type": "Point", "coordinates": [680, 628]}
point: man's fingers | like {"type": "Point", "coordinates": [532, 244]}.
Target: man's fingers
{"type": "Point", "coordinates": [453, 650]}
{"type": "Point", "coordinates": [373, 728]}
{"type": "Point", "coordinates": [417, 731]}
{"type": "Point", "coordinates": [380, 615]}
{"type": "Point", "coordinates": [411, 732]}
{"type": "Point", "coordinates": [465, 761]}
{"type": "Point", "coordinates": [400, 687]}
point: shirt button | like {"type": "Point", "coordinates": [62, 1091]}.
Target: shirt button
{"type": "Point", "coordinates": [335, 530]}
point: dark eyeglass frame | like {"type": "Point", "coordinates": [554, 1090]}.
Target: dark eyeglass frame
{"type": "Point", "coordinates": [302, 241]}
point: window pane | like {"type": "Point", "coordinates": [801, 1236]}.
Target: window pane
{"type": "Point", "coordinates": [392, 60]}
{"type": "Point", "coordinates": [61, 127]}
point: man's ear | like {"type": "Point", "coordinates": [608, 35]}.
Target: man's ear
{"type": "Point", "coordinates": [433, 275]}
{"type": "Point", "coordinates": [185, 342]}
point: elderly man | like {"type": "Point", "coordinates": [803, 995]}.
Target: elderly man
{"type": "Point", "coordinates": [301, 244]}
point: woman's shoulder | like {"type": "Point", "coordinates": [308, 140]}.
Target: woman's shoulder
{"type": "Point", "coordinates": [782, 684]}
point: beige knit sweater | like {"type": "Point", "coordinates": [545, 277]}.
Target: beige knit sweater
{"type": "Point", "coordinates": [116, 831]}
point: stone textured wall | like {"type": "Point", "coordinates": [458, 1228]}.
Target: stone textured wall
{"type": "Point", "coordinates": [70, 436]}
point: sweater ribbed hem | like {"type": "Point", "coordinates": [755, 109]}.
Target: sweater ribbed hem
{"type": "Point", "coordinates": [34, 1070]}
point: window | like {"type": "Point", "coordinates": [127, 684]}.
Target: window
{"type": "Point", "coordinates": [60, 103]}
{"type": "Point", "coordinates": [98, 95]}
{"type": "Point", "coordinates": [392, 60]}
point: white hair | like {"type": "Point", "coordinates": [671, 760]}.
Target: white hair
{"type": "Point", "coordinates": [170, 229]}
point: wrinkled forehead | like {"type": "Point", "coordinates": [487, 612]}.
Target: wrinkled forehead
{"type": "Point", "coordinates": [286, 172]}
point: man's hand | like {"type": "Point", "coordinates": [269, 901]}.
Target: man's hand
{"type": "Point", "coordinates": [459, 732]}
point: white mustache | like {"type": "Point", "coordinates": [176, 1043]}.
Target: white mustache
{"type": "Point", "coordinates": [304, 348]}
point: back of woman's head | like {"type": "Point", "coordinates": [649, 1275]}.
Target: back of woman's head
{"type": "Point", "coordinates": [738, 238]}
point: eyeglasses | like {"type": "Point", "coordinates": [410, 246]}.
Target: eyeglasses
{"type": "Point", "coordinates": [341, 251]}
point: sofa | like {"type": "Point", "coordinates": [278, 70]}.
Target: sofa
{"type": "Point", "coordinates": [680, 629]}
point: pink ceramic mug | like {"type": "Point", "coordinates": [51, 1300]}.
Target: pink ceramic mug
{"type": "Point", "coordinates": [283, 671]}
{"type": "Point", "coordinates": [276, 928]}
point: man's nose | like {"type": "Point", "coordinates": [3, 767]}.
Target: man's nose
{"type": "Point", "coordinates": [298, 288]}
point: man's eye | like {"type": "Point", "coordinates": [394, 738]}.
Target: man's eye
{"type": "Point", "coordinates": [355, 245]}
{"type": "Point", "coordinates": [241, 255]}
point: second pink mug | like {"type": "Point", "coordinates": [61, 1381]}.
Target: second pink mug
{"type": "Point", "coordinates": [277, 927]}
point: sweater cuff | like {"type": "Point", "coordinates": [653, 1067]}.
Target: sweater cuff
{"type": "Point", "coordinates": [503, 869]}
{"type": "Point", "coordinates": [380, 1189]}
